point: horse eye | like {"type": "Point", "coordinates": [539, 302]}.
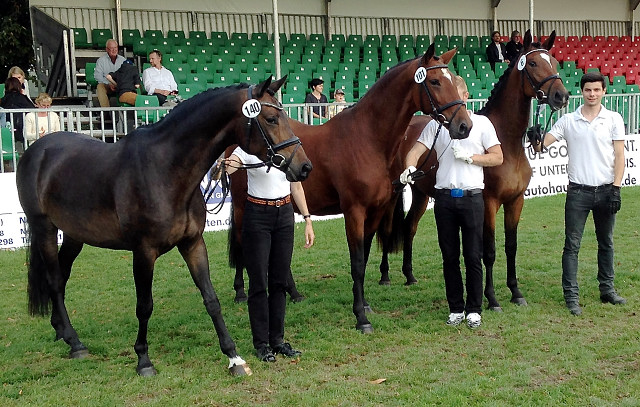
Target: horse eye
{"type": "Point", "coordinates": [434, 82]}
{"type": "Point", "coordinates": [272, 120]}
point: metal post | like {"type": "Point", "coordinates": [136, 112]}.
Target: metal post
{"type": "Point", "coordinates": [276, 42]}
{"type": "Point", "coordinates": [533, 33]}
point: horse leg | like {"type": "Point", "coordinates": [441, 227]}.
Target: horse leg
{"type": "Point", "coordinates": [512, 213]}
{"type": "Point", "coordinates": [489, 251]}
{"type": "Point", "coordinates": [354, 224]}
{"type": "Point", "coordinates": [419, 202]}
{"type": "Point", "coordinates": [384, 237]}
{"type": "Point", "coordinates": [368, 240]}
{"type": "Point", "coordinates": [45, 242]}
{"type": "Point", "coordinates": [195, 255]}
{"type": "Point", "coordinates": [143, 264]}
{"type": "Point", "coordinates": [294, 294]}
{"type": "Point", "coordinates": [238, 283]}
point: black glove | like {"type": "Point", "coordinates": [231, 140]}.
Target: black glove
{"type": "Point", "coordinates": [614, 200]}
{"type": "Point", "coordinates": [534, 135]}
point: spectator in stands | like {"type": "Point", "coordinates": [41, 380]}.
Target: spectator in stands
{"type": "Point", "coordinates": [109, 62]}
{"type": "Point", "coordinates": [459, 206]}
{"type": "Point", "coordinates": [514, 46]}
{"type": "Point", "coordinates": [42, 123]}
{"type": "Point", "coordinates": [16, 72]}
{"type": "Point", "coordinates": [15, 99]}
{"type": "Point", "coordinates": [127, 81]}
{"type": "Point", "coordinates": [496, 51]}
{"type": "Point", "coordinates": [157, 79]}
{"type": "Point", "coordinates": [338, 97]}
{"type": "Point", "coordinates": [595, 145]}
{"type": "Point", "coordinates": [316, 96]}
{"type": "Point", "coordinates": [267, 242]}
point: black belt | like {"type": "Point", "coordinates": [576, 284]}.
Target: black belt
{"type": "Point", "coordinates": [589, 187]}
{"type": "Point", "coordinates": [458, 193]}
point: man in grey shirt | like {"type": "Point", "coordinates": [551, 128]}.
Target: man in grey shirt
{"type": "Point", "coordinates": [109, 62]}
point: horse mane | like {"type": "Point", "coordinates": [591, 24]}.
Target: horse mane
{"type": "Point", "coordinates": [502, 82]}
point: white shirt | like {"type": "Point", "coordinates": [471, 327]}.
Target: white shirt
{"type": "Point", "coordinates": [260, 184]}
{"type": "Point", "coordinates": [590, 145]}
{"type": "Point", "coordinates": [35, 125]}
{"type": "Point", "coordinates": [154, 78]}
{"type": "Point", "coordinates": [453, 173]}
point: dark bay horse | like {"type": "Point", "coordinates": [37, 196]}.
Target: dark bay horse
{"type": "Point", "coordinates": [353, 152]}
{"type": "Point", "coordinates": [533, 74]}
{"type": "Point", "coordinates": [143, 194]}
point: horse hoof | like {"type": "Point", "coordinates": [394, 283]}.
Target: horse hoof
{"type": "Point", "coordinates": [240, 298]}
{"type": "Point", "coordinates": [240, 370]}
{"type": "Point", "coordinates": [365, 329]}
{"type": "Point", "coordinates": [299, 298]}
{"type": "Point", "coordinates": [384, 282]}
{"type": "Point", "coordinates": [368, 309]}
{"type": "Point", "coordinates": [519, 301]}
{"type": "Point", "coordinates": [79, 354]}
{"type": "Point", "coordinates": [411, 282]}
{"type": "Point", "coordinates": [147, 371]}
{"type": "Point", "coordinates": [496, 308]}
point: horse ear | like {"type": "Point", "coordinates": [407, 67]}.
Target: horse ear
{"type": "Point", "coordinates": [277, 84]}
{"type": "Point", "coordinates": [446, 57]}
{"type": "Point", "coordinates": [549, 42]}
{"type": "Point", "coordinates": [429, 54]}
{"type": "Point", "coordinates": [526, 42]}
{"type": "Point", "coordinates": [263, 86]}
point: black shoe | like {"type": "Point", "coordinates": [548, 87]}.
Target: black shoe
{"type": "Point", "coordinates": [265, 354]}
{"type": "Point", "coordinates": [574, 308]}
{"type": "Point", "coordinates": [613, 298]}
{"type": "Point", "coordinates": [285, 349]}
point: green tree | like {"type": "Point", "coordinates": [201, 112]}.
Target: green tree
{"type": "Point", "coordinates": [16, 47]}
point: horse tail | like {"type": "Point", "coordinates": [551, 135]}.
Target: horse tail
{"type": "Point", "coordinates": [233, 248]}
{"type": "Point", "coordinates": [38, 289]}
{"type": "Point", "coordinates": [391, 238]}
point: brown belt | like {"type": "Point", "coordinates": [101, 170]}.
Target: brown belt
{"type": "Point", "coordinates": [270, 202]}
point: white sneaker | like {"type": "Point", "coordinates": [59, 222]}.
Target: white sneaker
{"type": "Point", "coordinates": [455, 318]}
{"type": "Point", "coordinates": [474, 320]}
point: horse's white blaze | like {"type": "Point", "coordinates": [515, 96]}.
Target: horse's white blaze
{"type": "Point", "coordinates": [546, 58]}
{"type": "Point", "coordinates": [447, 74]}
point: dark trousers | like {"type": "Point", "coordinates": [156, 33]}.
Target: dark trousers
{"type": "Point", "coordinates": [579, 203]}
{"type": "Point", "coordinates": [267, 242]}
{"type": "Point", "coordinates": [456, 216]}
{"type": "Point", "coordinates": [161, 98]}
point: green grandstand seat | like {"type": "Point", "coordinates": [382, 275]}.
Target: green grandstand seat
{"type": "Point", "coordinates": [441, 39]}
{"type": "Point", "coordinates": [373, 39]}
{"type": "Point", "coordinates": [484, 41]}
{"type": "Point", "coordinates": [633, 88]}
{"type": "Point", "coordinates": [148, 116]}
{"type": "Point", "coordinates": [480, 94]}
{"type": "Point", "coordinates": [339, 38]}
{"type": "Point", "coordinates": [80, 38]}
{"type": "Point", "coordinates": [391, 39]}
{"type": "Point", "coordinates": [317, 37]}
{"type": "Point", "coordinates": [356, 39]}
{"type": "Point", "coordinates": [619, 80]}
{"type": "Point", "coordinates": [176, 36]}
{"type": "Point", "coordinates": [370, 67]}
{"type": "Point", "coordinates": [219, 35]}
{"type": "Point", "coordinates": [154, 36]}
{"type": "Point", "coordinates": [89, 70]}
{"type": "Point", "coordinates": [99, 37]}
{"type": "Point", "coordinates": [462, 60]}
{"type": "Point", "coordinates": [456, 41]}
{"type": "Point", "coordinates": [293, 97]}
{"type": "Point", "coordinates": [297, 86]}
{"type": "Point", "coordinates": [346, 86]}
{"type": "Point", "coordinates": [141, 47]}
{"type": "Point", "coordinates": [240, 37]}
{"type": "Point", "coordinates": [421, 48]}
{"type": "Point", "coordinates": [499, 68]}
{"type": "Point", "coordinates": [172, 59]}
{"type": "Point", "coordinates": [190, 89]}
{"type": "Point", "coordinates": [471, 41]}
{"type": "Point", "coordinates": [406, 54]}
{"type": "Point", "coordinates": [9, 154]}
{"type": "Point", "coordinates": [385, 66]}
{"type": "Point", "coordinates": [129, 36]}
{"type": "Point", "coordinates": [197, 37]}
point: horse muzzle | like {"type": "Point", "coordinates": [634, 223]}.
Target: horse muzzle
{"type": "Point", "coordinates": [460, 127]}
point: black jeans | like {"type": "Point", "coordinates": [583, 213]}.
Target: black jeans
{"type": "Point", "coordinates": [466, 215]}
{"type": "Point", "coordinates": [267, 244]}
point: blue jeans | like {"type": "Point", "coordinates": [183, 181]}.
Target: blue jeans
{"type": "Point", "coordinates": [579, 203]}
{"type": "Point", "coordinates": [454, 217]}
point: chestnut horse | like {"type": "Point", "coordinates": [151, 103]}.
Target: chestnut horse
{"type": "Point", "coordinates": [353, 152]}
{"type": "Point", "coordinates": [533, 74]}
{"type": "Point", "coordinates": [143, 194]}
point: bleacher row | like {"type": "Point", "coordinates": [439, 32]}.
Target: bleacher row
{"type": "Point", "coordinates": [199, 61]}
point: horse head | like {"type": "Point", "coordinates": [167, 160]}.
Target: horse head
{"type": "Point", "coordinates": [541, 71]}
{"type": "Point", "coordinates": [439, 95]}
{"type": "Point", "coordinates": [268, 135]}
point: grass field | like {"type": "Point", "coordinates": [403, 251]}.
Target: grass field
{"type": "Point", "coordinates": [534, 355]}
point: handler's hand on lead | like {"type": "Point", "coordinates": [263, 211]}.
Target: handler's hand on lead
{"type": "Point", "coordinates": [405, 177]}
{"type": "Point", "coordinates": [615, 202]}
{"type": "Point", "coordinates": [534, 134]}
{"type": "Point", "coordinates": [462, 154]}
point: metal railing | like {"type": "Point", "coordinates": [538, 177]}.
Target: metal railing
{"type": "Point", "coordinates": [111, 124]}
